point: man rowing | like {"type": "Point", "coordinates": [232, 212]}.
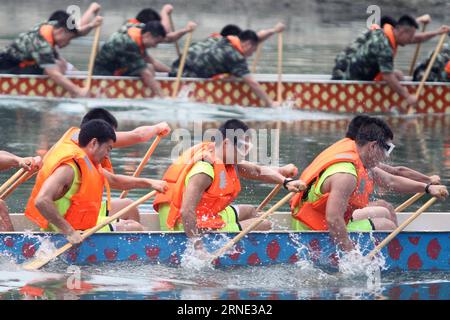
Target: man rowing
{"type": "Point", "coordinates": [67, 196]}
{"type": "Point", "coordinates": [205, 180]}
{"type": "Point", "coordinates": [8, 161]}
{"type": "Point", "coordinates": [371, 56]}
{"type": "Point", "coordinates": [339, 186]}
{"type": "Point", "coordinates": [34, 52]}
{"type": "Point", "coordinates": [226, 56]}
{"type": "Point", "coordinates": [125, 54]}
{"type": "Point", "coordinates": [440, 72]}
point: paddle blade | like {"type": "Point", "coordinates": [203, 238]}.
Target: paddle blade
{"type": "Point", "coordinates": [39, 262]}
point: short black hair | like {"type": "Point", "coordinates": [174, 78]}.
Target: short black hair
{"type": "Point", "coordinates": [61, 17]}
{"type": "Point", "coordinates": [146, 15]}
{"type": "Point", "coordinates": [408, 21]}
{"type": "Point", "coordinates": [387, 20]}
{"type": "Point", "coordinates": [155, 28]}
{"type": "Point", "coordinates": [249, 35]}
{"type": "Point", "coordinates": [100, 113]}
{"type": "Point", "coordinates": [96, 129]}
{"type": "Point", "coordinates": [374, 129]}
{"type": "Point", "coordinates": [355, 124]}
{"type": "Point", "coordinates": [231, 126]}
{"type": "Point", "coordinates": [230, 30]}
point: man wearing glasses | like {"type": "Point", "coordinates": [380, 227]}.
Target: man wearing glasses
{"type": "Point", "coordinates": [340, 180]}
{"type": "Point", "coordinates": [205, 180]}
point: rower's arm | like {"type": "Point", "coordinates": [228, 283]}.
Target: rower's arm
{"type": "Point", "coordinates": [405, 185]}
{"type": "Point", "coordinates": [122, 182]}
{"type": "Point", "coordinates": [8, 160]}
{"type": "Point", "coordinates": [150, 81]}
{"type": "Point", "coordinates": [86, 28]}
{"type": "Point", "coordinates": [158, 65]}
{"type": "Point", "coordinates": [90, 13]}
{"type": "Point", "coordinates": [405, 172]}
{"type": "Point", "coordinates": [53, 189]}
{"type": "Point", "coordinates": [140, 134]}
{"type": "Point", "coordinates": [341, 187]}
{"type": "Point", "coordinates": [55, 74]}
{"type": "Point", "coordinates": [260, 93]}
{"type": "Point", "coordinates": [266, 174]}
{"type": "Point", "coordinates": [265, 34]}
{"type": "Point", "coordinates": [424, 36]}
{"type": "Point", "coordinates": [395, 85]}
{"type": "Point", "coordinates": [174, 35]}
{"type": "Point", "coordinates": [195, 188]}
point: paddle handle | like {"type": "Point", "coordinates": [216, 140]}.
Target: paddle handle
{"type": "Point", "coordinates": [416, 53]}
{"type": "Point", "coordinates": [401, 227]}
{"type": "Point", "coordinates": [24, 177]}
{"type": "Point", "coordinates": [181, 66]}
{"type": "Point", "coordinates": [232, 242]}
{"type": "Point", "coordinates": [429, 67]}
{"type": "Point", "coordinates": [272, 194]}
{"type": "Point", "coordinates": [172, 26]}
{"type": "Point", "coordinates": [38, 263]}
{"type": "Point", "coordinates": [280, 68]}
{"type": "Point", "coordinates": [92, 57]}
{"type": "Point", "coordinates": [11, 180]}
{"type": "Point", "coordinates": [257, 58]}
{"type": "Point", "coordinates": [409, 202]}
{"type": "Point", "coordinates": [143, 162]}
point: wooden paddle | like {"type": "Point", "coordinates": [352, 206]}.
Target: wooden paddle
{"type": "Point", "coordinates": [181, 66]}
{"type": "Point", "coordinates": [24, 177]}
{"type": "Point", "coordinates": [270, 196]}
{"type": "Point", "coordinates": [409, 202]}
{"type": "Point", "coordinates": [144, 161]}
{"type": "Point", "coordinates": [257, 57]}
{"type": "Point", "coordinates": [280, 68]}
{"type": "Point", "coordinates": [416, 53]}
{"type": "Point", "coordinates": [172, 26]}
{"type": "Point", "coordinates": [12, 179]}
{"type": "Point", "coordinates": [236, 239]}
{"type": "Point", "coordinates": [401, 227]}
{"type": "Point", "coordinates": [42, 261]}
{"type": "Point", "coordinates": [428, 70]}
{"type": "Point", "coordinates": [92, 57]}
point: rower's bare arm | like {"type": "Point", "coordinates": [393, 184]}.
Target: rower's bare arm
{"type": "Point", "coordinates": [75, 91]}
{"type": "Point", "coordinates": [340, 186]}
{"type": "Point", "coordinates": [122, 182]}
{"type": "Point", "coordinates": [395, 85]}
{"type": "Point", "coordinates": [140, 134]}
{"type": "Point", "coordinates": [90, 13]}
{"type": "Point", "coordinates": [267, 174]}
{"type": "Point", "coordinates": [425, 36]}
{"type": "Point", "coordinates": [150, 81]}
{"type": "Point", "coordinates": [265, 34]}
{"type": "Point", "coordinates": [53, 189]}
{"type": "Point", "coordinates": [195, 188]}
{"type": "Point", "coordinates": [405, 172]}
{"type": "Point", "coordinates": [86, 28]}
{"type": "Point", "coordinates": [177, 34]}
{"type": "Point", "coordinates": [157, 65]}
{"type": "Point", "coordinates": [405, 185]}
{"type": "Point", "coordinates": [9, 160]}
{"type": "Point", "coordinates": [260, 93]}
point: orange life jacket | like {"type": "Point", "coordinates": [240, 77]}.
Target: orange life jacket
{"type": "Point", "coordinates": [447, 69]}
{"type": "Point", "coordinates": [215, 35]}
{"type": "Point", "coordinates": [389, 33]}
{"type": "Point", "coordinates": [313, 214]}
{"type": "Point", "coordinates": [135, 34]}
{"type": "Point", "coordinates": [46, 32]}
{"type": "Point", "coordinates": [236, 43]}
{"type": "Point", "coordinates": [86, 203]}
{"type": "Point", "coordinates": [134, 21]}
{"type": "Point", "coordinates": [223, 190]}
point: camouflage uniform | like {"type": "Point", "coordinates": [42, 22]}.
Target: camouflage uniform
{"type": "Point", "coordinates": [211, 57]}
{"type": "Point", "coordinates": [120, 54]}
{"type": "Point", "coordinates": [370, 54]}
{"type": "Point", "coordinates": [29, 46]}
{"type": "Point", "coordinates": [437, 73]}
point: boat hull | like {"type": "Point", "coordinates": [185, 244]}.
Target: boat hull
{"type": "Point", "coordinates": [304, 94]}
{"type": "Point", "coordinates": [418, 251]}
